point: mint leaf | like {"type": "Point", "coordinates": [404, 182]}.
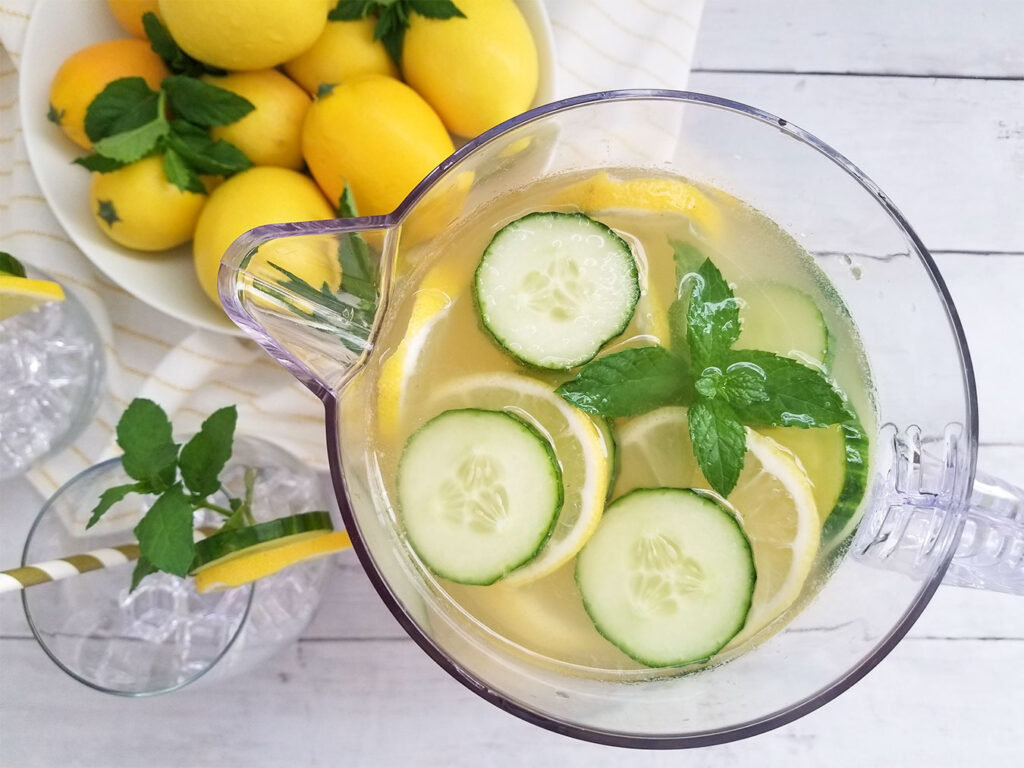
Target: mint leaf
{"type": "Point", "coordinates": [628, 383]}
{"type": "Point", "coordinates": [743, 384]}
{"type": "Point", "coordinates": [163, 45]}
{"type": "Point", "coordinates": [719, 443]}
{"type": "Point", "coordinates": [204, 456]}
{"type": "Point", "coordinates": [142, 569]}
{"type": "Point", "coordinates": [390, 30]}
{"type": "Point", "coordinates": [708, 383]}
{"type": "Point", "coordinates": [358, 270]}
{"type": "Point", "coordinates": [110, 497]}
{"type": "Point", "coordinates": [124, 104]}
{"type": "Point", "coordinates": [202, 103]}
{"type": "Point", "coordinates": [203, 154]}
{"type": "Point", "coordinates": [144, 434]}
{"type": "Point", "coordinates": [350, 10]}
{"type": "Point", "coordinates": [98, 163]}
{"type": "Point", "coordinates": [712, 317]}
{"type": "Point", "coordinates": [10, 265]}
{"type": "Point", "coordinates": [797, 395]}
{"type": "Point", "coordinates": [165, 533]}
{"type": "Point", "coordinates": [688, 260]}
{"type": "Point", "coordinates": [180, 175]}
{"type": "Point", "coordinates": [129, 146]}
{"type": "Point", "coordinates": [436, 9]}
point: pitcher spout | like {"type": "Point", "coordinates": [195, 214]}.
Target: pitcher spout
{"type": "Point", "coordinates": [311, 294]}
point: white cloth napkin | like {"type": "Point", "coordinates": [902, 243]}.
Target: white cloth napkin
{"type": "Point", "coordinates": [600, 45]}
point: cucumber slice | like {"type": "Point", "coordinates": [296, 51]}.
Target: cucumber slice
{"type": "Point", "coordinates": [478, 494]}
{"type": "Point", "coordinates": [254, 538]}
{"type": "Point", "coordinates": [778, 318]}
{"type": "Point", "coordinates": [553, 288]}
{"type": "Point", "coordinates": [844, 515]}
{"type": "Point", "coordinates": [668, 577]}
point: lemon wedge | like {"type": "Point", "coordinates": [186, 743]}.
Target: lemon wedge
{"type": "Point", "coordinates": [579, 446]}
{"type": "Point", "coordinates": [248, 565]}
{"type": "Point", "coordinates": [774, 499]}
{"type": "Point", "coordinates": [20, 294]}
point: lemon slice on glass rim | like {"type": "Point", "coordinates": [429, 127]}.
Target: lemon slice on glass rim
{"type": "Point", "coordinates": [19, 293]}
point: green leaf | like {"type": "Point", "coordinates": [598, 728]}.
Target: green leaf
{"type": "Point", "coordinates": [350, 10]}
{"type": "Point", "coordinates": [719, 443]}
{"type": "Point", "coordinates": [436, 9]}
{"type": "Point", "coordinates": [204, 456]}
{"type": "Point", "coordinates": [797, 395]}
{"type": "Point", "coordinates": [688, 260]}
{"type": "Point", "coordinates": [391, 32]}
{"type": "Point", "coordinates": [628, 383]}
{"type": "Point", "coordinates": [131, 145]}
{"type": "Point", "coordinates": [163, 45]}
{"type": "Point", "coordinates": [142, 569]}
{"type": "Point", "coordinates": [150, 454]}
{"type": "Point", "coordinates": [712, 318]}
{"type": "Point", "coordinates": [180, 175]}
{"type": "Point", "coordinates": [10, 265]}
{"type": "Point", "coordinates": [203, 154]}
{"type": "Point", "coordinates": [165, 533]}
{"type": "Point", "coordinates": [110, 497]}
{"type": "Point", "coordinates": [122, 105]}
{"type": "Point", "coordinates": [99, 163]}
{"type": "Point", "coordinates": [708, 383]}
{"type": "Point", "coordinates": [358, 267]}
{"type": "Point", "coordinates": [204, 104]}
{"type": "Point", "coordinates": [743, 385]}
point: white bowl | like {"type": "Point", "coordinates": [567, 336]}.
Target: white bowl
{"type": "Point", "coordinates": [165, 281]}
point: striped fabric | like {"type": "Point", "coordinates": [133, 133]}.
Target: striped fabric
{"type": "Point", "coordinates": [600, 44]}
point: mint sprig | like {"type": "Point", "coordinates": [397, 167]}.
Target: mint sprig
{"type": "Point", "coordinates": [393, 18]}
{"type": "Point", "coordinates": [183, 478]}
{"type": "Point", "coordinates": [724, 388]}
{"type": "Point", "coordinates": [128, 121]}
{"type": "Point", "coordinates": [163, 45]}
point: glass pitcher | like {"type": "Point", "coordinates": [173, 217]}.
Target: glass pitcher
{"type": "Point", "coordinates": [928, 517]}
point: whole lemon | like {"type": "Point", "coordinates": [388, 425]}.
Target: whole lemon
{"type": "Point", "coordinates": [345, 50]}
{"type": "Point", "coordinates": [376, 134]}
{"type": "Point", "coordinates": [87, 72]}
{"type": "Point", "coordinates": [139, 208]}
{"type": "Point", "coordinates": [477, 71]}
{"type": "Point", "coordinates": [260, 196]}
{"type": "Point", "coordinates": [129, 14]}
{"type": "Point", "coordinates": [272, 133]}
{"type": "Point", "coordinates": [245, 34]}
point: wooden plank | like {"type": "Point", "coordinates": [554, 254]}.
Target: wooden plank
{"type": "Point", "coordinates": [949, 153]}
{"type": "Point", "coordinates": [934, 37]}
{"type": "Point", "coordinates": [385, 704]}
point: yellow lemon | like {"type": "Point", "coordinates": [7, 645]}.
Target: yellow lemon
{"type": "Point", "coordinates": [129, 14]}
{"type": "Point", "coordinates": [87, 72]}
{"type": "Point", "coordinates": [272, 133]}
{"type": "Point", "coordinates": [477, 71]}
{"type": "Point", "coordinates": [346, 49]}
{"type": "Point", "coordinates": [245, 34]}
{"type": "Point", "coordinates": [376, 134]}
{"type": "Point", "coordinates": [265, 195]}
{"type": "Point", "coordinates": [20, 294]}
{"type": "Point", "coordinates": [139, 208]}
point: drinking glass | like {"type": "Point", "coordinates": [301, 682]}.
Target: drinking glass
{"type": "Point", "coordinates": [165, 635]}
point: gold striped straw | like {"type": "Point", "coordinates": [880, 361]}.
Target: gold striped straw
{"type": "Point", "coordinates": [64, 567]}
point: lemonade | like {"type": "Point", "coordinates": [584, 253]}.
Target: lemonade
{"type": "Point", "coordinates": [543, 402]}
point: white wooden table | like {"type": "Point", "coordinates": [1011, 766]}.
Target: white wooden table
{"type": "Point", "coordinates": [928, 98]}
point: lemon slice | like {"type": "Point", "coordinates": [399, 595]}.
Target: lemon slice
{"type": "Point", "coordinates": [20, 294]}
{"type": "Point", "coordinates": [435, 296]}
{"type": "Point", "coordinates": [579, 447]}
{"type": "Point", "coordinates": [248, 565]}
{"type": "Point", "coordinates": [774, 499]}
{"type": "Point", "coordinates": [601, 192]}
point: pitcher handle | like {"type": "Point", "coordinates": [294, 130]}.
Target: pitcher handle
{"type": "Point", "coordinates": [321, 333]}
{"type": "Point", "coordinates": [932, 509]}
{"type": "Point", "coordinates": [990, 552]}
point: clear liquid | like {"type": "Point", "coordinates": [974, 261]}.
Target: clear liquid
{"type": "Point", "coordinates": [545, 620]}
